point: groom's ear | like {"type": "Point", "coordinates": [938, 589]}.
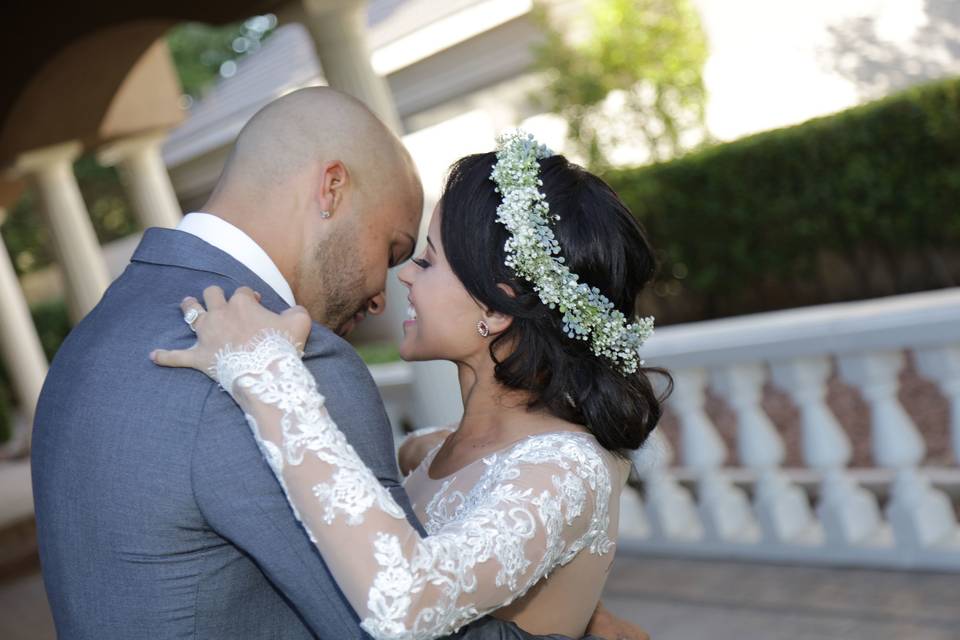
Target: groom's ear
{"type": "Point", "coordinates": [334, 179]}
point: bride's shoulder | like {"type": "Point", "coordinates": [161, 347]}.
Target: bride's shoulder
{"type": "Point", "coordinates": [577, 471]}
{"type": "Point", "coordinates": [577, 451]}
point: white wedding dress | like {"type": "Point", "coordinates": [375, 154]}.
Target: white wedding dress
{"type": "Point", "coordinates": [545, 505]}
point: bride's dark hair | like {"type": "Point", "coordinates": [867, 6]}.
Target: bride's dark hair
{"type": "Point", "coordinates": [602, 243]}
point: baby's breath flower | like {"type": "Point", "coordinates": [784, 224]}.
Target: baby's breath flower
{"type": "Point", "coordinates": [534, 254]}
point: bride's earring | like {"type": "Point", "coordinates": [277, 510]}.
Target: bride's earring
{"type": "Point", "coordinates": [325, 214]}
{"type": "Point", "coordinates": [482, 328]}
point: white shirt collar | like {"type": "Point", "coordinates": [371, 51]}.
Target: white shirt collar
{"type": "Point", "coordinates": [238, 245]}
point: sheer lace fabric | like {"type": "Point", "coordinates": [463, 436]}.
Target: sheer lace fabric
{"type": "Point", "coordinates": [495, 528]}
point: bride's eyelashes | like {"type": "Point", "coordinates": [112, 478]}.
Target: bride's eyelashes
{"type": "Point", "coordinates": [423, 263]}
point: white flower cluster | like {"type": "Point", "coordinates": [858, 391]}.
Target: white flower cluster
{"type": "Point", "coordinates": [534, 254]}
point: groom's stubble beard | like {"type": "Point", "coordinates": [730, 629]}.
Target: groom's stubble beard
{"type": "Point", "coordinates": [336, 281]}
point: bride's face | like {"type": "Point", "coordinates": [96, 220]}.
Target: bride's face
{"type": "Point", "coordinates": [442, 317]}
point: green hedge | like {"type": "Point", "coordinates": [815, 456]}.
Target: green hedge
{"type": "Point", "coordinates": [379, 352]}
{"type": "Point", "coordinates": [876, 186]}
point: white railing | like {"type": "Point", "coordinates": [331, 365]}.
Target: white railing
{"type": "Point", "coordinates": [764, 511]}
{"type": "Point", "coordinates": [896, 514]}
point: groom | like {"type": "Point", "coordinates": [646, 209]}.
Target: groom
{"type": "Point", "coordinates": [157, 516]}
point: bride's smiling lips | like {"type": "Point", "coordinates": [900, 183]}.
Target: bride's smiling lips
{"type": "Point", "coordinates": [411, 314]}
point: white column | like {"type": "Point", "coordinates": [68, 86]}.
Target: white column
{"type": "Point", "coordinates": [849, 514]}
{"type": "Point", "coordinates": [22, 353]}
{"type": "Point", "coordinates": [339, 31]}
{"type": "Point", "coordinates": [941, 365]}
{"type": "Point", "coordinates": [920, 515]}
{"type": "Point", "coordinates": [50, 171]}
{"type": "Point", "coordinates": [782, 508]}
{"type": "Point", "coordinates": [724, 508]}
{"type": "Point", "coordinates": [141, 168]}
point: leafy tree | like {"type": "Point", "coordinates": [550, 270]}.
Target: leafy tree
{"type": "Point", "coordinates": [203, 53]}
{"type": "Point", "coordinates": [634, 82]}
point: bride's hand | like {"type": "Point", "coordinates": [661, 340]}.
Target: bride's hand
{"type": "Point", "coordinates": [236, 323]}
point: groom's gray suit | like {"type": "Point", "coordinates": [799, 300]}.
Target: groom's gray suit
{"type": "Point", "coordinates": [156, 514]}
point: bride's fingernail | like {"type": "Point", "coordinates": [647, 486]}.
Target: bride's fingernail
{"type": "Point", "coordinates": [153, 356]}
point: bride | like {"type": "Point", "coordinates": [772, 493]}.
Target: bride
{"type": "Point", "coordinates": [528, 283]}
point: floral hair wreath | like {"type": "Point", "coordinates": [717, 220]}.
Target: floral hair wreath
{"type": "Point", "coordinates": [534, 254]}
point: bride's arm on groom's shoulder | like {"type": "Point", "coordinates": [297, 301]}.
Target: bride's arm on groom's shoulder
{"type": "Point", "coordinates": [402, 586]}
{"type": "Point", "coordinates": [248, 508]}
{"type": "Point", "coordinates": [418, 444]}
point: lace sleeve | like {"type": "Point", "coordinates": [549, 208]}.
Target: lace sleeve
{"type": "Point", "coordinates": [536, 510]}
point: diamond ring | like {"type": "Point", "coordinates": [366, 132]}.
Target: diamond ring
{"type": "Point", "coordinates": [191, 316]}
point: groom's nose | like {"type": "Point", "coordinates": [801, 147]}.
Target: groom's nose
{"type": "Point", "coordinates": [377, 304]}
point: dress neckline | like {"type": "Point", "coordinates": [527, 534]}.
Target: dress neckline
{"type": "Point", "coordinates": [428, 460]}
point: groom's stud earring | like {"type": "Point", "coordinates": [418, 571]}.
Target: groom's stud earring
{"type": "Point", "coordinates": [482, 328]}
{"type": "Point", "coordinates": [325, 214]}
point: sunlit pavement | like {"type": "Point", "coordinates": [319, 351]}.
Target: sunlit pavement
{"type": "Point", "coordinates": [693, 600]}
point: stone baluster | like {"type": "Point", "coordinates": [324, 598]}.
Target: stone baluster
{"type": "Point", "coordinates": [920, 515]}
{"type": "Point", "coordinates": [849, 514]}
{"type": "Point", "coordinates": [782, 508]}
{"type": "Point", "coordinates": [633, 518]}
{"type": "Point", "coordinates": [941, 365]}
{"type": "Point", "coordinates": [724, 508]}
{"type": "Point", "coordinates": [672, 512]}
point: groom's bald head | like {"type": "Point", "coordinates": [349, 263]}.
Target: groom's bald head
{"type": "Point", "coordinates": [311, 153]}
{"type": "Point", "coordinates": [312, 125]}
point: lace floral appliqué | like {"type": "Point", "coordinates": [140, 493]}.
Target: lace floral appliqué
{"type": "Point", "coordinates": [533, 508]}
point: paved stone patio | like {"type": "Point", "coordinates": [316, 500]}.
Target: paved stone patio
{"type": "Point", "coordinates": [713, 600]}
{"type": "Point", "coordinates": [692, 600]}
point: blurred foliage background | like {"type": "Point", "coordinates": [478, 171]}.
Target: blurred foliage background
{"type": "Point", "coordinates": [202, 53]}
{"type": "Point", "coordinates": [854, 205]}
{"type": "Point", "coordinates": [628, 75]}
{"type": "Point", "coordinates": [859, 204]}
{"type": "Point", "coordinates": [27, 238]}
